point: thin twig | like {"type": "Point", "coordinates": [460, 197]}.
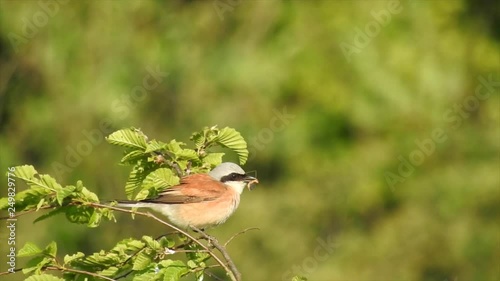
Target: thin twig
{"type": "Point", "coordinates": [8, 272]}
{"type": "Point", "coordinates": [27, 212]}
{"type": "Point", "coordinates": [239, 233]}
{"type": "Point", "coordinates": [235, 274]}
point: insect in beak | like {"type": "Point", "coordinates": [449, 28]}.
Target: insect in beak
{"type": "Point", "coordinates": [250, 182]}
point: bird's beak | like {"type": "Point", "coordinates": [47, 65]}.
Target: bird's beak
{"type": "Point", "coordinates": [250, 181]}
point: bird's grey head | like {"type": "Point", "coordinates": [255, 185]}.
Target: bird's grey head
{"type": "Point", "coordinates": [226, 169]}
{"type": "Point", "coordinates": [232, 175]}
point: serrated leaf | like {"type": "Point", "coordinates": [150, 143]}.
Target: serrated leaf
{"type": "Point", "coordinates": [29, 249]}
{"type": "Point", "coordinates": [37, 263]}
{"type": "Point", "coordinates": [152, 243]}
{"type": "Point", "coordinates": [51, 249]}
{"type": "Point", "coordinates": [130, 138]}
{"type": "Point", "coordinates": [133, 156]}
{"type": "Point", "coordinates": [148, 276]}
{"type": "Point", "coordinates": [89, 195]}
{"type": "Point", "coordinates": [161, 178]}
{"type": "Point", "coordinates": [191, 264]}
{"type": "Point", "coordinates": [29, 175]}
{"type": "Point", "coordinates": [166, 242]}
{"type": "Point", "coordinates": [43, 277]}
{"type": "Point", "coordinates": [142, 261]}
{"type": "Point", "coordinates": [155, 145]}
{"type": "Point", "coordinates": [135, 179]}
{"type": "Point", "coordinates": [79, 214]}
{"type": "Point", "coordinates": [25, 172]}
{"type": "Point", "coordinates": [134, 245]}
{"type": "Point", "coordinates": [95, 219]}
{"type": "Point", "coordinates": [49, 182]}
{"type": "Point", "coordinates": [213, 159]}
{"type": "Point", "coordinates": [110, 271]}
{"type": "Point", "coordinates": [232, 139]}
{"type": "Point", "coordinates": [63, 193]}
{"type": "Point", "coordinates": [70, 258]}
{"type": "Point", "coordinates": [174, 271]}
{"type": "Point", "coordinates": [187, 154]}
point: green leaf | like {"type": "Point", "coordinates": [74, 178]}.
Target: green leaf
{"type": "Point", "coordinates": [198, 138]}
{"type": "Point", "coordinates": [213, 159]}
{"type": "Point", "coordinates": [155, 145]}
{"type": "Point", "coordinates": [152, 243]}
{"type": "Point", "coordinates": [161, 178]}
{"type": "Point", "coordinates": [133, 156]}
{"type": "Point", "coordinates": [43, 277]}
{"type": "Point", "coordinates": [142, 261]}
{"type": "Point", "coordinates": [110, 271]}
{"type": "Point", "coordinates": [135, 179]}
{"type": "Point", "coordinates": [79, 214]}
{"type": "Point", "coordinates": [63, 193]}
{"type": "Point", "coordinates": [69, 258]}
{"type": "Point", "coordinates": [187, 154]}
{"type": "Point", "coordinates": [29, 249]}
{"type": "Point", "coordinates": [95, 219]}
{"type": "Point", "coordinates": [232, 139]}
{"type": "Point", "coordinates": [148, 276]}
{"type": "Point", "coordinates": [4, 203]}
{"type": "Point", "coordinates": [28, 174]}
{"type": "Point", "coordinates": [131, 138]}
{"type": "Point", "coordinates": [49, 182]}
{"type": "Point", "coordinates": [25, 172]}
{"type": "Point", "coordinates": [173, 270]}
{"type": "Point", "coordinates": [50, 214]}
{"type": "Point", "coordinates": [39, 205]}
{"type": "Point", "coordinates": [89, 196]}
{"type": "Point", "coordinates": [37, 263]}
{"type": "Point", "coordinates": [51, 249]}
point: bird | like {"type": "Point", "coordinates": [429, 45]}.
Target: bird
{"type": "Point", "coordinates": [200, 201]}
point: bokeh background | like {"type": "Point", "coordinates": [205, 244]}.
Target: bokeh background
{"type": "Point", "coordinates": [332, 96]}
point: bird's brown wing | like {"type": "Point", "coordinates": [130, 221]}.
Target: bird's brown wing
{"type": "Point", "coordinates": [192, 189]}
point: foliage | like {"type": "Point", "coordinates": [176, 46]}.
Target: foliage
{"type": "Point", "coordinates": [156, 166]}
{"type": "Point", "coordinates": [84, 62]}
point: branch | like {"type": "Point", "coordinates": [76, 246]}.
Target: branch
{"type": "Point", "coordinates": [239, 233]}
{"type": "Point", "coordinates": [61, 268]}
{"type": "Point", "coordinates": [230, 268]}
{"type": "Point", "coordinates": [235, 274]}
{"type": "Point", "coordinates": [27, 212]}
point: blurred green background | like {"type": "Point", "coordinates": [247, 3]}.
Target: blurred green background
{"type": "Point", "coordinates": [336, 99]}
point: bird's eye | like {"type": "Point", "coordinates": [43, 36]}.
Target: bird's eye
{"type": "Point", "coordinates": [234, 176]}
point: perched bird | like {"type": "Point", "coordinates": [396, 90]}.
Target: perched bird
{"type": "Point", "coordinates": [201, 200]}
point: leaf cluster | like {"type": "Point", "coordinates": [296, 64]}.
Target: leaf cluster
{"type": "Point", "coordinates": [155, 166]}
